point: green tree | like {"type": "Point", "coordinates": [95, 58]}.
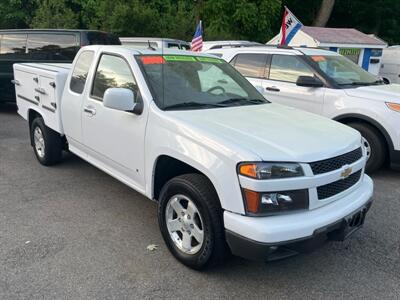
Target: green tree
{"type": "Point", "coordinates": [16, 13]}
{"type": "Point", "coordinates": [54, 14]}
{"type": "Point", "coordinates": [241, 19]}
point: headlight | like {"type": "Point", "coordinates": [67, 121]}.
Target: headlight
{"type": "Point", "coordinates": [393, 106]}
{"type": "Point", "coordinates": [266, 170]}
{"type": "Point", "coordinates": [267, 203]}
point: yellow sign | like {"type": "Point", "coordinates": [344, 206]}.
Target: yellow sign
{"type": "Point", "coordinates": [349, 51]}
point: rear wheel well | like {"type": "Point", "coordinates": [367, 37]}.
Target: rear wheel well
{"type": "Point", "coordinates": [32, 115]}
{"type": "Point", "coordinates": [349, 120]}
{"type": "Point", "coordinates": [167, 168]}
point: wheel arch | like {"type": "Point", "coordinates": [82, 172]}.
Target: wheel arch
{"type": "Point", "coordinates": [348, 118]}
{"type": "Point", "coordinates": [167, 167]}
{"type": "Point", "coordinates": [32, 115]}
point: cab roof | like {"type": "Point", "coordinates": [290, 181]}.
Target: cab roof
{"type": "Point", "coordinates": [124, 49]}
{"type": "Point", "coordinates": [275, 49]}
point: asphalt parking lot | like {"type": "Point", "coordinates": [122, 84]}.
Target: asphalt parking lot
{"type": "Point", "coordinates": [73, 232]}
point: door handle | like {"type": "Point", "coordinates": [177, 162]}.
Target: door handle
{"type": "Point", "coordinates": [16, 82]}
{"type": "Point", "coordinates": [89, 110]}
{"type": "Point", "coordinates": [40, 91]}
{"type": "Point", "coordinates": [272, 89]}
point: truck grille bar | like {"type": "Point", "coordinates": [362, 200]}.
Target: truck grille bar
{"type": "Point", "coordinates": [334, 163]}
{"type": "Point", "coordinates": [336, 187]}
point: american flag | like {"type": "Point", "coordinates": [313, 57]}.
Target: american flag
{"type": "Point", "coordinates": [197, 41]}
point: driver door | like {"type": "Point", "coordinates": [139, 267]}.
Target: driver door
{"type": "Point", "coordinates": [114, 138]}
{"type": "Point", "coordinates": [280, 86]}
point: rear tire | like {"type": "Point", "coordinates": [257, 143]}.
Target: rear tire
{"type": "Point", "coordinates": [177, 195]}
{"type": "Point", "coordinates": [47, 143]}
{"type": "Point", "coordinates": [376, 144]}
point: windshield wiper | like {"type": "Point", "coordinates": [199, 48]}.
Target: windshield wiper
{"type": "Point", "coordinates": [242, 100]}
{"type": "Point", "coordinates": [192, 104]}
{"type": "Point", "coordinates": [360, 83]}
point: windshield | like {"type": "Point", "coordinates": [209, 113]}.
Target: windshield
{"type": "Point", "coordinates": [195, 82]}
{"type": "Point", "coordinates": [343, 71]}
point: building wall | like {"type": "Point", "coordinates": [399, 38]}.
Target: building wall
{"type": "Point", "coordinates": [300, 39]}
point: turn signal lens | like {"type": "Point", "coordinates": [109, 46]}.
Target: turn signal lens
{"type": "Point", "coordinates": [252, 200]}
{"type": "Point", "coordinates": [249, 170]}
{"type": "Point", "coordinates": [266, 170]}
{"type": "Point", "coordinates": [393, 106]}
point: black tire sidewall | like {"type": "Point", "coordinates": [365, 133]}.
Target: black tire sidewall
{"type": "Point", "coordinates": [200, 259]}
{"type": "Point", "coordinates": [52, 143]}
{"type": "Point", "coordinates": [378, 150]}
{"type": "Point", "coordinates": [38, 122]}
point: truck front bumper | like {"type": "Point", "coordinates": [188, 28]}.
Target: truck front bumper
{"type": "Point", "coordinates": [276, 237]}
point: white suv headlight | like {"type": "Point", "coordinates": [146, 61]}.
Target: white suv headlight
{"type": "Point", "coordinates": [393, 106]}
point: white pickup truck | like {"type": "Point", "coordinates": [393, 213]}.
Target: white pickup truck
{"type": "Point", "coordinates": [230, 171]}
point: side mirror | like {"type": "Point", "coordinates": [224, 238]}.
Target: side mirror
{"type": "Point", "coordinates": [309, 81]}
{"type": "Point", "coordinates": [121, 99]}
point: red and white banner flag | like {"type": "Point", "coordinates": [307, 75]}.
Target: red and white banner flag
{"type": "Point", "coordinates": [290, 25]}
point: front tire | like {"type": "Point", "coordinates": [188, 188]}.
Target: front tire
{"type": "Point", "coordinates": [374, 144]}
{"type": "Point", "coordinates": [47, 144]}
{"type": "Point", "coordinates": [190, 220]}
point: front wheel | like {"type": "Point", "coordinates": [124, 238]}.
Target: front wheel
{"type": "Point", "coordinates": [190, 220]}
{"type": "Point", "coordinates": [374, 145]}
{"type": "Point", "coordinates": [47, 144]}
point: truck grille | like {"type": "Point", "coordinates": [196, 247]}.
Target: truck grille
{"type": "Point", "coordinates": [334, 163]}
{"type": "Point", "coordinates": [331, 189]}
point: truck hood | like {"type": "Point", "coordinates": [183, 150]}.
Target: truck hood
{"type": "Point", "coordinates": [383, 93]}
{"type": "Point", "coordinates": [273, 132]}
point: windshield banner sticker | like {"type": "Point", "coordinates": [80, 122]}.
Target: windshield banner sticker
{"type": "Point", "coordinates": [179, 58]}
{"type": "Point", "coordinates": [209, 59]}
{"type": "Point", "coordinates": [318, 58]}
{"type": "Point", "coordinates": [158, 59]}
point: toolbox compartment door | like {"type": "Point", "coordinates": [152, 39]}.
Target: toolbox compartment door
{"type": "Point", "coordinates": [25, 85]}
{"type": "Point", "coordinates": [47, 95]}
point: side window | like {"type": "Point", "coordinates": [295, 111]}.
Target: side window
{"type": "Point", "coordinates": [80, 73]}
{"type": "Point", "coordinates": [13, 45]}
{"type": "Point", "coordinates": [173, 46]}
{"type": "Point", "coordinates": [112, 71]}
{"type": "Point", "coordinates": [251, 65]}
{"type": "Point", "coordinates": [52, 46]}
{"type": "Point", "coordinates": [288, 68]}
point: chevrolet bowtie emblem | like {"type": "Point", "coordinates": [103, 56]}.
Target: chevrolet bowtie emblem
{"type": "Point", "coordinates": [346, 172]}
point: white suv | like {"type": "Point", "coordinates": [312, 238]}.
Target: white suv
{"type": "Point", "coordinates": [326, 83]}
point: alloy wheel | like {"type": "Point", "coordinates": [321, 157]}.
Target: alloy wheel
{"type": "Point", "coordinates": [184, 224]}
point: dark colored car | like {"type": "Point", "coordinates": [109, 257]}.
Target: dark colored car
{"type": "Point", "coordinates": [42, 45]}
